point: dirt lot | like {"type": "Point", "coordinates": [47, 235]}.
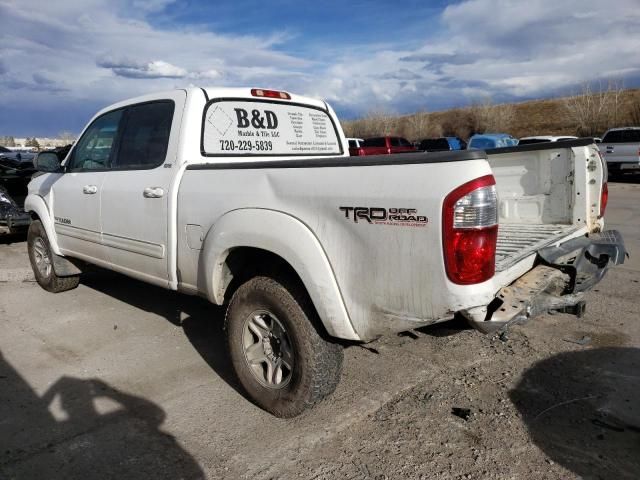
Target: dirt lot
{"type": "Point", "coordinates": [117, 379]}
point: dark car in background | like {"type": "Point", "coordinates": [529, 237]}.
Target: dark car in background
{"type": "Point", "coordinates": [15, 175]}
{"type": "Point", "coordinates": [383, 145]}
{"type": "Point", "coordinates": [17, 156]}
{"type": "Point", "coordinates": [441, 144]}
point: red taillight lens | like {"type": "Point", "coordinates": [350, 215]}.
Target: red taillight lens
{"type": "Point", "coordinates": [470, 231]}
{"type": "Point", "coordinates": [604, 198]}
{"type": "Point", "coordinates": [258, 92]}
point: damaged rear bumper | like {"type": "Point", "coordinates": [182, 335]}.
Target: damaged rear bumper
{"type": "Point", "coordinates": [561, 276]}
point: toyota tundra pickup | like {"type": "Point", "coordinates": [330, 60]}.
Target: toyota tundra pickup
{"type": "Point", "coordinates": [248, 197]}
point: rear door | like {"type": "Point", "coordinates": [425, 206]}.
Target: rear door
{"type": "Point", "coordinates": [76, 193]}
{"type": "Point", "coordinates": [136, 192]}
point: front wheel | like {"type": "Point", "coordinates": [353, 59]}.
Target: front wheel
{"type": "Point", "coordinates": [280, 359]}
{"type": "Point", "coordinates": [41, 258]}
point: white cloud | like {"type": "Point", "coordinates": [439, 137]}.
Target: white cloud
{"type": "Point", "coordinates": [133, 69]}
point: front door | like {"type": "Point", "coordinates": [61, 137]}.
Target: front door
{"type": "Point", "coordinates": [136, 192]}
{"type": "Point", "coordinates": [76, 193]}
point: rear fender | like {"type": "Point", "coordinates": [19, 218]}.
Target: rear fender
{"type": "Point", "coordinates": [290, 239]}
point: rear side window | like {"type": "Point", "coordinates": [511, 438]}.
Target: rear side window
{"type": "Point", "coordinates": [530, 141]}
{"type": "Point", "coordinates": [402, 142]}
{"type": "Point", "coordinates": [482, 143]}
{"type": "Point", "coordinates": [246, 127]}
{"type": "Point", "coordinates": [622, 136]}
{"type": "Point", "coordinates": [145, 136]}
{"type": "Point", "coordinates": [434, 144]}
{"type": "Point", "coordinates": [94, 149]}
{"type": "Point", "coordinates": [374, 142]}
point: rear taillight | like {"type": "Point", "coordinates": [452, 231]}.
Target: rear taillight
{"type": "Point", "coordinates": [604, 198]}
{"type": "Point", "coordinates": [259, 92]}
{"type": "Point", "coordinates": [470, 231]}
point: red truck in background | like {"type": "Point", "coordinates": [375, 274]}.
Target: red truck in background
{"type": "Point", "coordinates": [380, 146]}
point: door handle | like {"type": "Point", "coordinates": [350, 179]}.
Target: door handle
{"type": "Point", "coordinates": [153, 192]}
{"type": "Point", "coordinates": [89, 189]}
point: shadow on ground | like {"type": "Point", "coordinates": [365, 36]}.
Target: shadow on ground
{"type": "Point", "coordinates": [582, 409]}
{"type": "Point", "coordinates": [201, 321]}
{"type": "Point", "coordinates": [84, 429]}
{"type": "Point", "coordinates": [7, 238]}
{"type": "Point", "coordinates": [626, 178]}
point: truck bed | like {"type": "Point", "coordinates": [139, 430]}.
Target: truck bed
{"type": "Point", "coordinates": [517, 241]}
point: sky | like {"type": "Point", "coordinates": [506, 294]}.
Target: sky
{"type": "Point", "coordinates": [62, 60]}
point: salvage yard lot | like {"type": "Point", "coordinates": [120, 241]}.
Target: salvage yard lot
{"type": "Point", "coordinates": [121, 379]}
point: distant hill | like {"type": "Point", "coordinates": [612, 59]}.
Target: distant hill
{"type": "Point", "coordinates": [588, 114]}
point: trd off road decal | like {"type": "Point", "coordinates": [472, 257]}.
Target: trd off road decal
{"type": "Point", "coordinates": [404, 217]}
{"type": "Point", "coordinates": [233, 127]}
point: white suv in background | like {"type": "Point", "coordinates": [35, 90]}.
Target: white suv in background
{"type": "Point", "coordinates": [544, 138]}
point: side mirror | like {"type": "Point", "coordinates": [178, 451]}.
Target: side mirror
{"type": "Point", "coordinates": [46, 162]}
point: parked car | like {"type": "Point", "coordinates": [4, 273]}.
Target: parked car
{"type": "Point", "coordinates": [15, 176]}
{"type": "Point", "coordinates": [543, 139]}
{"type": "Point", "coordinates": [487, 141]}
{"type": "Point", "coordinates": [14, 179]}
{"type": "Point", "coordinates": [16, 155]}
{"type": "Point", "coordinates": [384, 145]}
{"type": "Point", "coordinates": [441, 144]}
{"type": "Point", "coordinates": [354, 145]}
{"type": "Point", "coordinates": [621, 150]}
{"type": "Point", "coordinates": [248, 198]}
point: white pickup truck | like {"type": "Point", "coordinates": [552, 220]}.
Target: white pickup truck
{"type": "Point", "coordinates": [248, 197]}
{"type": "Point", "coordinates": [621, 150]}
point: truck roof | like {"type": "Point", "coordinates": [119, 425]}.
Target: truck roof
{"type": "Point", "coordinates": [622, 128]}
{"type": "Point", "coordinates": [210, 93]}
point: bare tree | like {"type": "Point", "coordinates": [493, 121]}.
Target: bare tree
{"type": "Point", "coordinates": [67, 137]}
{"type": "Point", "coordinates": [593, 111]}
{"type": "Point", "coordinates": [616, 89]}
{"type": "Point", "coordinates": [484, 116]}
{"type": "Point", "coordinates": [634, 113]}
{"type": "Point", "coordinates": [418, 126]}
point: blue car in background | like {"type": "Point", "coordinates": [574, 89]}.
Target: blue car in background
{"type": "Point", "coordinates": [485, 141]}
{"type": "Point", "coordinates": [441, 144]}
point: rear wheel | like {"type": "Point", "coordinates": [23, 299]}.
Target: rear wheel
{"type": "Point", "coordinates": [41, 258]}
{"type": "Point", "coordinates": [280, 359]}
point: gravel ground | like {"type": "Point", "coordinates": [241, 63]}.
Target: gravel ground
{"type": "Point", "coordinates": [120, 379]}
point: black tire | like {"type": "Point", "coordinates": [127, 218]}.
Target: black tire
{"type": "Point", "coordinates": [37, 246]}
{"type": "Point", "coordinates": [316, 362]}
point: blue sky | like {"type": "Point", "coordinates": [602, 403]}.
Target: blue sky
{"type": "Point", "coordinates": [62, 60]}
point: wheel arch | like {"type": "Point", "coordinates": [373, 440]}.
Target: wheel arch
{"type": "Point", "coordinates": [37, 208]}
{"type": "Point", "coordinates": [256, 237]}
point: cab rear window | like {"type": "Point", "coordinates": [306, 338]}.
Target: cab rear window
{"type": "Point", "coordinates": [622, 136]}
{"type": "Point", "coordinates": [238, 127]}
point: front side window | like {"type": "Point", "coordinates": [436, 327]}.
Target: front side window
{"type": "Point", "coordinates": [94, 149]}
{"type": "Point", "coordinates": [145, 136]}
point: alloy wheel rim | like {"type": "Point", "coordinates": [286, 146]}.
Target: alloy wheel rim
{"type": "Point", "coordinates": [267, 349]}
{"type": "Point", "coordinates": [41, 257]}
